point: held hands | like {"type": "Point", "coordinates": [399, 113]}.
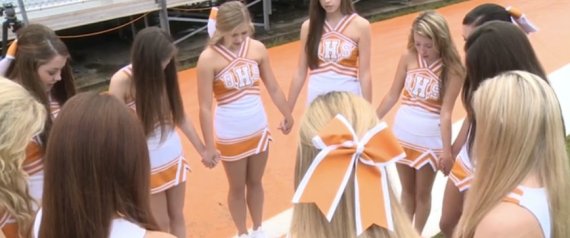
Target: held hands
{"type": "Point", "coordinates": [210, 158]}
{"type": "Point", "coordinates": [445, 163]}
{"type": "Point", "coordinates": [286, 124]}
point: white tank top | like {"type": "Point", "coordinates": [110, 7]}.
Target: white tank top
{"type": "Point", "coordinates": [120, 228]}
{"type": "Point", "coordinates": [536, 201]}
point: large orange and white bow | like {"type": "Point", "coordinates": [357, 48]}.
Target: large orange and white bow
{"type": "Point", "coordinates": [520, 19]}
{"type": "Point", "coordinates": [341, 154]}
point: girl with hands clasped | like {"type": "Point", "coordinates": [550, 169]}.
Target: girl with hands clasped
{"type": "Point", "coordinates": [429, 77]}
{"type": "Point", "coordinates": [149, 86]}
{"type": "Point", "coordinates": [231, 69]}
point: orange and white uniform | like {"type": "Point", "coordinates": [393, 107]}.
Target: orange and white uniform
{"type": "Point", "coordinates": [338, 62]}
{"type": "Point", "coordinates": [168, 166]}
{"type": "Point", "coordinates": [417, 122]}
{"type": "Point", "coordinates": [240, 121]}
{"type": "Point", "coordinates": [462, 172]}
{"type": "Point", "coordinates": [536, 201]}
{"type": "Point", "coordinates": [34, 163]}
{"type": "Point", "coordinates": [8, 226]}
{"type": "Point", "coordinates": [120, 228]}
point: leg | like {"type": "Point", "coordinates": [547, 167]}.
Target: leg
{"type": "Point", "coordinates": [424, 182]}
{"type": "Point", "coordinates": [407, 177]}
{"type": "Point", "coordinates": [236, 174]}
{"type": "Point", "coordinates": [255, 168]}
{"type": "Point", "coordinates": [451, 209]}
{"type": "Point", "coordinates": [158, 205]}
{"type": "Point", "coordinates": [175, 201]}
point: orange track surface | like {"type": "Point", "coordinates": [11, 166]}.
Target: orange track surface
{"type": "Point", "coordinates": [206, 209]}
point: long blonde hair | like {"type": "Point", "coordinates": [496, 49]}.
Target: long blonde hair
{"type": "Point", "coordinates": [432, 25]}
{"type": "Point", "coordinates": [308, 221]}
{"type": "Point", "coordinates": [21, 117]}
{"type": "Point", "coordinates": [230, 15]}
{"type": "Point", "coordinates": [520, 132]}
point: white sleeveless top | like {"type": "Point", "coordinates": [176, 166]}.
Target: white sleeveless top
{"type": "Point", "coordinates": [120, 228]}
{"type": "Point", "coordinates": [536, 201]}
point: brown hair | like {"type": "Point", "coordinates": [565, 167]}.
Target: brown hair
{"type": "Point", "coordinates": [37, 45]}
{"type": "Point", "coordinates": [317, 17]}
{"type": "Point", "coordinates": [157, 99]}
{"type": "Point", "coordinates": [96, 168]}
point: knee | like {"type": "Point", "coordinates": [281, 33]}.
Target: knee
{"type": "Point", "coordinates": [254, 184]}
{"type": "Point", "coordinates": [237, 192]}
{"type": "Point", "coordinates": [423, 199]}
{"type": "Point", "coordinates": [163, 223]}
{"type": "Point", "coordinates": [446, 226]}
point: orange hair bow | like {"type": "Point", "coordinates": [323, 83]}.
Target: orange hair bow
{"type": "Point", "coordinates": [342, 152]}
{"type": "Point", "coordinates": [520, 19]}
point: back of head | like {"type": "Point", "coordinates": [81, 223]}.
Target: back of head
{"type": "Point", "coordinates": [97, 168]}
{"type": "Point", "coordinates": [519, 130]}
{"type": "Point", "coordinates": [486, 12]}
{"type": "Point", "coordinates": [433, 25]}
{"type": "Point", "coordinates": [20, 119]}
{"type": "Point", "coordinates": [230, 15]}
{"type": "Point", "coordinates": [493, 48]}
{"type": "Point", "coordinates": [308, 221]}
{"type": "Point", "coordinates": [158, 98]}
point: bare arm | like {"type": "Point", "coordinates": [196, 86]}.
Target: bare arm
{"type": "Point", "coordinates": [364, 50]}
{"type": "Point", "coordinates": [120, 85]}
{"type": "Point", "coordinates": [451, 92]}
{"type": "Point", "coordinates": [461, 138]}
{"type": "Point", "coordinates": [508, 220]}
{"type": "Point", "coordinates": [189, 131]}
{"type": "Point", "coordinates": [205, 92]}
{"type": "Point", "coordinates": [396, 89]}
{"type": "Point", "coordinates": [301, 75]}
{"type": "Point", "coordinates": [277, 95]}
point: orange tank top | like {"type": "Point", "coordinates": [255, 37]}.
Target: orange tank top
{"type": "Point", "coordinates": [422, 86]}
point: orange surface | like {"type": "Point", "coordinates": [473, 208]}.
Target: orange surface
{"type": "Point", "coordinates": [206, 209]}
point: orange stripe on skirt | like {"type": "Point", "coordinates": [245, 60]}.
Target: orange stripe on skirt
{"type": "Point", "coordinates": [168, 176]}
{"type": "Point", "coordinates": [236, 150]}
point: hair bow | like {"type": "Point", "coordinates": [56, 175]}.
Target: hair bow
{"type": "Point", "coordinates": [341, 154]}
{"type": "Point", "coordinates": [520, 19]}
{"type": "Point", "coordinates": [212, 21]}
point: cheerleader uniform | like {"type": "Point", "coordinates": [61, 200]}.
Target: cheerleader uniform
{"type": "Point", "coordinates": [462, 172]}
{"type": "Point", "coordinates": [240, 121]}
{"type": "Point", "coordinates": [120, 228]}
{"type": "Point", "coordinates": [168, 166]}
{"type": "Point", "coordinates": [34, 163]}
{"type": "Point", "coordinates": [338, 57]}
{"type": "Point", "coordinates": [417, 122]}
{"type": "Point", "coordinates": [536, 201]}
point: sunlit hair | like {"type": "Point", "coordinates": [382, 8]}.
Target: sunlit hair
{"type": "Point", "coordinates": [520, 132]}
{"type": "Point", "coordinates": [317, 17]}
{"type": "Point", "coordinates": [158, 100]}
{"type": "Point", "coordinates": [486, 12]}
{"type": "Point", "coordinates": [97, 169]}
{"type": "Point", "coordinates": [308, 221]}
{"type": "Point", "coordinates": [230, 15]}
{"type": "Point", "coordinates": [37, 45]}
{"type": "Point", "coordinates": [491, 49]}
{"type": "Point", "coordinates": [21, 117]}
{"type": "Point", "coordinates": [432, 25]}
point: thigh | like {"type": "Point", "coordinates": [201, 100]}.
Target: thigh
{"type": "Point", "coordinates": [407, 177]}
{"type": "Point", "coordinates": [236, 172]}
{"type": "Point", "coordinates": [256, 167]}
{"type": "Point", "coordinates": [175, 198]}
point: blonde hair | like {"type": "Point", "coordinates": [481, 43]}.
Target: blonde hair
{"type": "Point", "coordinates": [230, 15]}
{"type": "Point", "coordinates": [308, 221]}
{"type": "Point", "coordinates": [519, 132]}
{"type": "Point", "coordinates": [21, 117]}
{"type": "Point", "coordinates": [432, 25]}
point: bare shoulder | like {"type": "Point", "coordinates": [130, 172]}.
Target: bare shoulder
{"type": "Point", "coordinates": [409, 56]}
{"type": "Point", "coordinates": [305, 25]}
{"type": "Point", "coordinates": [207, 54]}
{"type": "Point", "coordinates": [121, 77]}
{"type": "Point", "coordinates": [257, 45]}
{"type": "Point", "coordinates": [508, 220]}
{"type": "Point", "coordinates": [361, 22]}
{"type": "Point", "coordinates": [157, 234]}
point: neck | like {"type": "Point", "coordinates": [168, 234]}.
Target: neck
{"type": "Point", "coordinates": [532, 180]}
{"type": "Point", "coordinates": [334, 18]}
